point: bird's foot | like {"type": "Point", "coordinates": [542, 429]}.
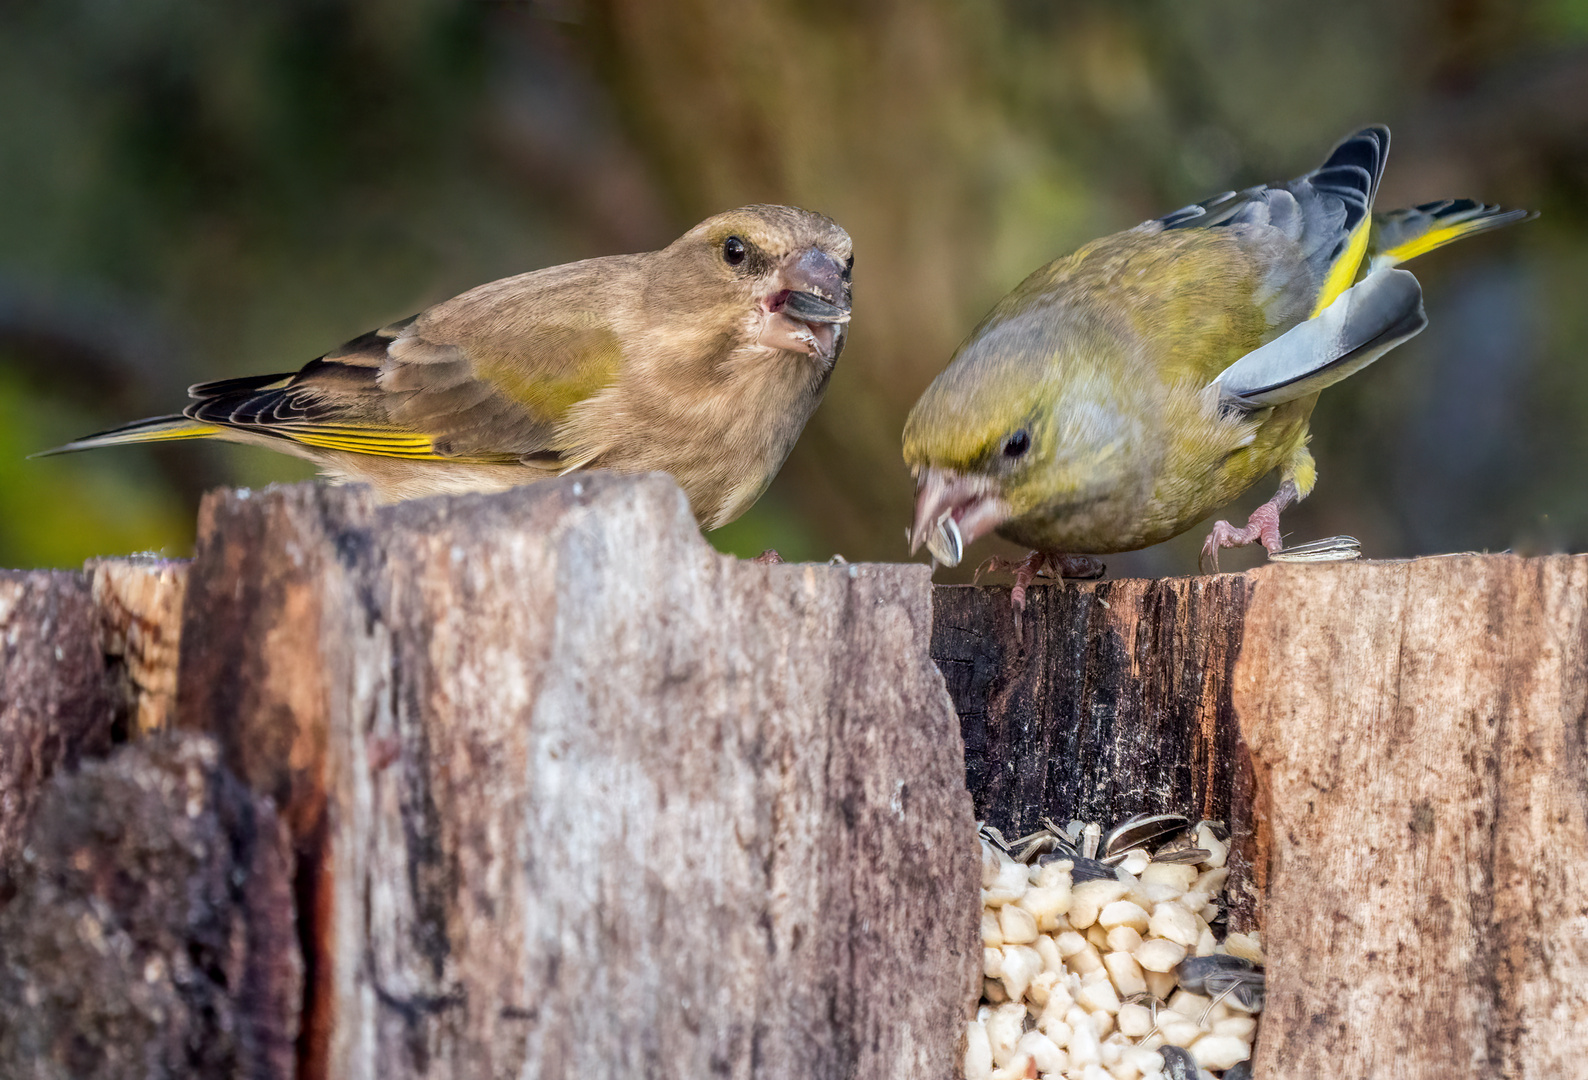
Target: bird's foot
{"type": "Point", "coordinates": [1039, 564]}
{"type": "Point", "coordinates": [1261, 527]}
{"type": "Point", "coordinates": [769, 557]}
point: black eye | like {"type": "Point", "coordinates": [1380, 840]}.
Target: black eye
{"type": "Point", "coordinates": [849, 267]}
{"type": "Point", "coordinates": [1017, 444]}
{"type": "Point", "coordinates": [733, 251]}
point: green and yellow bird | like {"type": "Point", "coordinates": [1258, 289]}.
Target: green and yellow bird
{"type": "Point", "coordinates": [1123, 393]}
{"type": "Point", "coordinates": [704, 359]}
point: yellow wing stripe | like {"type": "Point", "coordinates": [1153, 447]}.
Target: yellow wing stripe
{"type": "Point", "coordinates": [197, 431]}
{"type": "Point", "coordinates": [1343, 271]}
{"type": "Point", "coordinates": [381, 443]}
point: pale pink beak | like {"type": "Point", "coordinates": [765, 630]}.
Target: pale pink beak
{"type": "Point", "coordinates": [952, 512]}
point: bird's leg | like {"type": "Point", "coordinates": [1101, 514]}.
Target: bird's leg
{"type": "Point", "coordinates": [1261, 527]}
{"type": "Point", "coordinates": [769, 557]}
{"type": "Point", "coordinates": [1040, 564]}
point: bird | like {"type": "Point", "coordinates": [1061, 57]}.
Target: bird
{"type": "Point", "coordinates": [1125, 392]}
{"type": "Point", "coordinates": [703, 359]}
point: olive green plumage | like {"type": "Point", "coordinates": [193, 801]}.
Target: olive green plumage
{"type": "Point", "coordinates": [703, 359]}
{"type": "Point", "coordinates": [1099, 407]}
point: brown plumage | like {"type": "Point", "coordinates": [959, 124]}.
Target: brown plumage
{"type": "Point", "coordinates": [703, 359]}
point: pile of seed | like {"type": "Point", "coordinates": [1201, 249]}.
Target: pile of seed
{"type": "Point", "coordinates": [1101, 961]}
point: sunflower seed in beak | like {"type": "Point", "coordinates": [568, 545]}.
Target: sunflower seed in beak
{"type": "Point", "coordinates": [944, 542]}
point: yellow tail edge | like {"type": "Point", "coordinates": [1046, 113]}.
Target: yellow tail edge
{"type": "Point", "coordinates": [155, 430]}
{"type": "Point", "coordinates": [1480, 218]}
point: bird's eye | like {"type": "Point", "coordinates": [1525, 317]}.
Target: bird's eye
{"type": "Point", "coordinates": [1017, 444]}
{"type": "Point", "coordinates": [733, 251]}
{"type": "Point", "coordinates": [849, 267]}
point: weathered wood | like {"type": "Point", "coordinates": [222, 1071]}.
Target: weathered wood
{"type": "Point", "coordinates": [1114, 700]}
{"type": "Point", "coordinates": [252, 667]}
{"type": "Point", "coordinates": [263, 623]}
{"type": "Point", "coordinates": [1421, 745]}
{"type": "Point", "coordinates": [571, 794]}
{"type": "Point", "coordinates": [595, 800]}
{"type": "Point", "coordinates": [151, 931]}
{"type": "Point", "coordinates": [139, 600]}
{"type": "Point", "coordinates": [58, 699]}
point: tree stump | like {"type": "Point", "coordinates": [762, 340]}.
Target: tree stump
{"type": "Point", "coordinates": [562, 792]}
{"type": "Point", "coordinates": [152, 930]}
{"type": "Point", "coordinates": [576, 795]}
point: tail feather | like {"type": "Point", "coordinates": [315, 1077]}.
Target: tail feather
{"type": "Point", "coordinates": [1399, 235]}
{"type": "Point", "coordinates": [154, 429]}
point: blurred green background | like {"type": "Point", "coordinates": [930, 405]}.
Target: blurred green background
{"type": "Point", "coordinates": [199, 189]}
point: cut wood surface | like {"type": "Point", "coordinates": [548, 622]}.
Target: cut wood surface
{"type": "Point", "coordinates": [584, 797]}
{"type": "Point", "coordinates": [139, 600]}
{"type": "Point", "coordinates": [1419, 735]}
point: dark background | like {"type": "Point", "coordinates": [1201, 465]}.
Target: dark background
{"type": "Point", "coordinates": [191, 190]}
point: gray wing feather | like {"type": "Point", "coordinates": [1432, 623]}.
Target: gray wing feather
{"type": "Point", "coordinates": [1367, 321]}
{"type": "Point", "coordinates": [1317, 211]}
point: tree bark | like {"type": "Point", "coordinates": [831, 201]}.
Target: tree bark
{"type": "Point", "coordinates": [151, 930]}
{"type": "Point", "coordinates": [567, 793]}
{"type": "Point", "coordinates": [58, 699]}
{"type": "Point", "coordinates": [578, 796]}
{"type": "Point", "coordinates": [1421, 745]}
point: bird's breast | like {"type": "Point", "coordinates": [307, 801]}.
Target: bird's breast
{"type": "Point", "coordinates": [723, 434]}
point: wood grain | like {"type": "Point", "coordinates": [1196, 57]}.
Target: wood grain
{"type": "Point", "coordinates": [139, 600]}
{"type": "Point", "coordinates": [1419, 735]}
{"type": "Point", "coordinates": [596, 799]}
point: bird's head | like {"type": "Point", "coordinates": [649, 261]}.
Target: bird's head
{"type": "Point", "coordinates": [788, 270]}
{"type": "Point", "coordinates": [1011, 429]}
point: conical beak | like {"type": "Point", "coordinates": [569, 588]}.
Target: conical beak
{"type": "Point", "coordinates": [817, 291]}
{"type": "Point", "coordinates": [952, 512]}
{"type": "Point", "coordinates": [810, 308]}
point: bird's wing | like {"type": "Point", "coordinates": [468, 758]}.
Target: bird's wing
{"type": "Point", "coordinates": [485, 378]}
{"type": "Point", "coordinates": [1326, 213]}
{"type": "Point", "coordinates": [1362, 324]}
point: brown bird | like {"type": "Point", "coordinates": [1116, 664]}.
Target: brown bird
{"type": "Point", "coordinates": [703, 359]}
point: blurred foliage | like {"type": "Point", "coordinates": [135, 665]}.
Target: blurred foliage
{"type": "Point", "coordinates": [194, 190]}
